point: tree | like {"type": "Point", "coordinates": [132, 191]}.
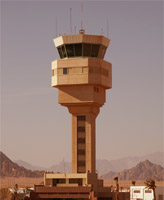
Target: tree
{"type": "Point", "coordinates": [5, 194]}
{"type": "Point", "coordinates": [150, 184]}
{"type": "Point", "coordinates": [117, 188]}
{"type": "Point", "coordinates": [133, 183]}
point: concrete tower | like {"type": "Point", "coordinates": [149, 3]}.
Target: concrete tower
{"type": "Point", "coordinates": [82, 77]}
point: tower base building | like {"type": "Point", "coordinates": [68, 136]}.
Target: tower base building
{"type": "Point", "coordinates": [72, 186]}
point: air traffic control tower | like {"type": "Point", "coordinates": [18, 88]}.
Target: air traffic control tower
{"type": "Point", "coordinates": [82, 77]}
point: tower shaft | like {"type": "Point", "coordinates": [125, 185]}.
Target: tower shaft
{"type": "Point", "coordinates": [83, 138]}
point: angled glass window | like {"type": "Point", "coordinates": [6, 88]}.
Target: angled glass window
{"type": "Point", "coordinates": [103, 51]}
{"type": "Point", "coordinates": [64, 51]}
{"type": "Point", "coordinates": [60, 52]}
{"type": "Point", "coordinates": [82, 49]}
{"type": "Point", "coordinates": [95, 50]}
{"type": "Point", "coordinates": [78, 49]}
{"type": "Point", "coordinates": [87, 50]}
{"type": "Point", "coordinates": [70, 50]}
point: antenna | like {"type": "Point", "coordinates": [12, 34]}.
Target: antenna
{"type": "Point", "coordinates": [102, 31]}
{"type": "Point", "coordinates": [64, 166]}
{"type": "Point", "coordinates": [107, 26]}
{"type": "Point", "coordinates": [82, 31]}
{"type": "Point", "coordinates": [75, 29]}
{"type": "Point", "coordinates": [71, 21]}
{"type": "Point", "coordinates": [81, 15]}
{"type": "Point", "coordinates": [56, 28]}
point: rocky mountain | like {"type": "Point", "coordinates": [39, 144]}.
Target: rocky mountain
{"type": "Point", "coordinates": [102, 166]}
{"type": "Point", "coordinates": [142, 171]}
{"type": "Point", "coordinates": [29, 166]}
{"type": "Point", "coordinates": [11, 169]}
{"type": "Point", "coordinates": [63, 167]}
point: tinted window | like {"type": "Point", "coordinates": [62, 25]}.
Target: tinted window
{"type": "Point", "coordinates": [64, 51]}
{"type": "Point", "coordinates": [81, 152]}
{"type": "Point", "coordinates": [70, 50]}
{"type": "Point", "coordinates": [65, 70]}
{"type": "Point", "coordinates": [71, 180]}
{"type": "Point", "coordinates": [78, 49]}
{"type": "Point", "coordinates": [87, 50]}
{"type": "Point", "coordinates": [75, 50]}
{"type": "Point", "coordinates": [81, 129]}
{"type": "Point", "coordinates": [81, 163]}
{"type": "Point", "coordinates": [95, 50]}
{"type": "Point", "coordinates": [103, 51]}
{"type": "Point", "coordinates": [60, 52]}
{"type": "Point", "coordinates": [81, 118]}
{"type": "Point", "coordinates": [81, 140]}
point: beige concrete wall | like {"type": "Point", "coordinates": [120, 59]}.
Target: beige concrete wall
{"type": "Point", "coordinates": [69, 175]}
{"type": "Point", "coordinates": [82, 94]}
{"type": "Point", "coordinates": [74, 143]}
{"type": "Point", "coordinates": [90, 143]}
{"type": "Point", "coordinates": [92, 71]}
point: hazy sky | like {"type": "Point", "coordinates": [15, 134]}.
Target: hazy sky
{"type": "Point", "coordinates": [34, 127]}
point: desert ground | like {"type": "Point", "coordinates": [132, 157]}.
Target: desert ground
{"type": "Point", "coordinates": [22, 182]}
{"type": "Point", "coordinates": [29, 182]}
{"type": "Point", "coordinates": [127, 184]}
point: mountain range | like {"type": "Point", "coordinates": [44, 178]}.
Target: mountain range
{"type": "Point", "coordinates": [11, 169]}
{"type": "Point", "coordinates": [142, 171]}
{"type": "Point", "coordinates": [102, 166]}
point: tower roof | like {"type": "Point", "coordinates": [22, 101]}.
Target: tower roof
{"type": "Point", "coordinates": [81, 38]}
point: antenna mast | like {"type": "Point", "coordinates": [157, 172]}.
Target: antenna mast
{"type": "Point", "coordinates": [107, 27]}
{"type": "Point", "coordinates": [75, 29]}
{"type": "Point", "coordinates": [82, 31]}
{"type": "Point", "coordinates": [81, 15]}
{"type": "Point", "coordinates": [71, 21]}
{"type": "Point", "coordinates": [56, 28]}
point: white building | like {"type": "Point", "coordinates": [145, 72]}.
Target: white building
{"type": "Point", "coordinates": [143, 193]}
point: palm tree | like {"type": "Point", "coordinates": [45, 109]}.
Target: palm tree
{"type": "Point", "coordinates": [150, 184]}
{"type": "Point", "coordinates": [117, 188]}
{"type": "Point", "coordinates": [5, 194]}
{"type": "Point", "coordinates": [133, 183]}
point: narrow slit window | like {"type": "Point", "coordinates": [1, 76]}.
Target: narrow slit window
{"type": "Point", "coordinates": [81, 152]}
{"type": "Point", "coordinates": [81, 129]}
{"type": "Point", "coordinates": [81, 140]}
{"type": "Point", "coordinates": [81, 118]}
{"type": "Point", "coordinates": [65, 70]}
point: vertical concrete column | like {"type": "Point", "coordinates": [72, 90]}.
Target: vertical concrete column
{"type": "Point", "coordinates": [74, 143]}
{"type": "Point", "coordinates": [90, 143]}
